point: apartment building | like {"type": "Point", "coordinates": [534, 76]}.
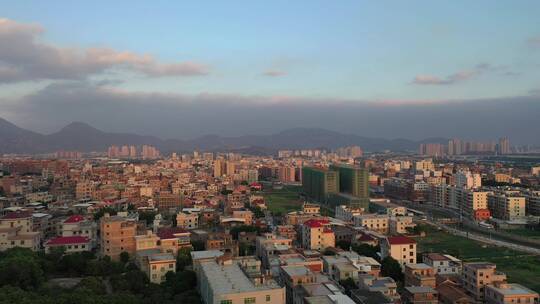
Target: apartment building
{"type": "Point", "coordinates": [187, 220]}
{"type": "Point", "coordinates": [16, 230]}
{"type": "Point", "coordinates": [230, 281]}
{"type": "Point", "coordinates": [420, 295]}
{"type": "Point", "coordinates": [78, 225]}
{"type": "Point", "coordinates": [419, 274]}
{"type": "Point", "coordinates": [118, 235]}
{"type": "Point", "coordinates": [507, 206]}
{"type": "Point", "coordinates": [476, 276]}
{"type": "Point", "coordinates": [503, 293]}
{"type": "Point", "coordinates": [401, 248]}
{"type": "Point", "coordinates": [443, 264]}
{"type": "Point", "coordinates": [317, 235]}
{"type": "Point", "coordinates": [373, 222]}
{"type": "Point", "coordinates": [400, 224]}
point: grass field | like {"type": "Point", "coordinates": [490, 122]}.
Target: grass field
{"type": "Point", "coordinates": [519, 268]}
{"type": "Point", "coordinates": [283, 200]}
{"type": "Point", "coordinates": [533, 234]}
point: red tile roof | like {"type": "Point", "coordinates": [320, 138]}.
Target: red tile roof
{"type": "Point", "coordinates": [16, 215]}
{"type": "Point", "coordinates": [169, 233]}
{"type": "Point", "coordinates": [315, 223]}
{"type": "Point", "coordinates": [366, 237]}
{"type": "Point", "coordinates": [400, 240]}
{"type": "Point", "coordinates": [68, 240]}
{"type": "Point", "coordinates": [74, 219]}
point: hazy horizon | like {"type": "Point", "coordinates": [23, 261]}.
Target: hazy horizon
{"type": "Point", "coordinates": [370, 69]}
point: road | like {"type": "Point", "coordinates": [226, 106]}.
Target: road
{"type": "Point", "coordinates": [491, 239]}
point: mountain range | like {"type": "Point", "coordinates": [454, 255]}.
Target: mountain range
{"type": "Point", "coordinates": [82, 137]}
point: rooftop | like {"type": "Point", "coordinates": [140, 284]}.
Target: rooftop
{"type": "Point", "coordinates": [205, 254]}
{"type": "Point", "coordinates": [315, 223]}
{"type": "Point", "coordinates": [400, 240]}
{"type": "Point", "coordinates": [170, 233]}
{"type": "Point", "coordinates": [68, 240]}
{"type": "Point", "coordinates": [512, 289]}
{"type": "Point", "coordinates": [16, 215]}
{"type": "Point", "coordinates": [230, 279]}
{"type": "Point", "coordinates": [420, 289]}
{"type": "Point", "coordinates": [74, 219]}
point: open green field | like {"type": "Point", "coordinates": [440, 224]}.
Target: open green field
{"type": "Point", "coordinates": [520, 268]}
{"type": "Point", "coordinates": [283, 200]}
{"type": "Point", "coordinates": [528, 233]}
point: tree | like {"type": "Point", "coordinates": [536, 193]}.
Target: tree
{"type": "Point", "coordinates": [183, 259]}
{"type": "Point", "coordinates": [124, 257]}
{"type": "Point", "coordinates": [198, 245]}
{"type": "Point", "coordinates": [101, 212]}
{"type": "Point", "coordinates": [367, 250]}
{"type": "Point", "coordinates": [343, 244]}
{"type": "Point", "coordinates": [257, 211]}
{"type": "Point", "coordinates": [94, 284]}
{"type": "Point", "coordinates": [391, 268]}
{"type": "Point", "coordinates": [329, 251]}
{"type": "Point", "coordinates": [20, 267]}
{"type": "Point", "coordinates": [180, 282]}
{"type": "Point", "coordinates": [147, 216]}
{"type": "Point", "coordinates": [348, 284]}
{"type": "Point", "coordinates": [235, 231]}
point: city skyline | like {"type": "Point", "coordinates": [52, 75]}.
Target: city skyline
{"type": "Point", "coordinates": [347, 67]}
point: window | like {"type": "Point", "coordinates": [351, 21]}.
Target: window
{"type": "Point", "coordinates": [267, 298]}
{"type": "Point", "coordinates": [249, 300]}
{"type": "Point", "coordinates": [225, 302]}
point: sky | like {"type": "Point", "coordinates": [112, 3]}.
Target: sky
{"type": "Point", "coordinates": [179, 69]}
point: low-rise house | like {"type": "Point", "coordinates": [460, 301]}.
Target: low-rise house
{"type": "Point", "coordinates": [443, 264]}
{"type": "Point", "coordinates": [476, 276]}
{"type": "Point", "coordinates": [70, 244]}
{"type": "Point", "coordinates": [502, 293]}
{"type": "Point", "coordinates": [385, 285]}
{"type": "Point", "coordinates": [420, 295]}
{"type": "Point", "coordinates": [419, 275]}
{"type": "Point", "coordinates": [16, 230]}
{"type": "Point", "coordinates": [452, 293]}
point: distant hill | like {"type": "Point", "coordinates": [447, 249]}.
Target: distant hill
{"type": "Point", "coordinates": [83, 137]}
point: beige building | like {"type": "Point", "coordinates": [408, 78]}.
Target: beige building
{"type": "Point", "coordinates": [118, 235]}
{"type": "Point", "coordinates": [311, 208]}
{"type": "Point", "coordinates": [155, 264]}
{"type": "Point", "coordinates": [419, 275]}
{"type": "Point", "coordinates": [400, 224]}
{"type": "Point", "coordinates": [236, 281]}
{"type": "Point", "coordinates": [401, 248]}
{"type": "Point", "coordinates": [85, 190]}
{"type": "Point", "coordinates": [509, 293]}
{"type": "Point", "coordinates": [16, 230]}
{"type": "Point", "coordinates": [77, 225]}
{"type": "Point", "coordinates": [506, 206]}
{"type": "Point", "coordinates": [187, 220]}
{"type": "Point", "coordinates": [476, 276]}
{"type": "Point", "coordinates": [373, 222]}
{"type": "Point", "coordinates": [317, 235]}
{"type": "Point", "coordinates": [70, 244]}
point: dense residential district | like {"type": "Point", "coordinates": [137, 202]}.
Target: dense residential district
{"type": "Point", "coordinates": [450, 224]}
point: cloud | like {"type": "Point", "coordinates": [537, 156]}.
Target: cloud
{"type": "Point", "coordinates": [23, 57]}
{"type": "Point", "coordinates": [534, 42]}
{"type": "Point", "coordinates": [274, 73]}
{"type": "Point", "coordinates": [188, 116]}
{"type": "Point", "coordinates": [460, 76]}
{"type": "Point", "coordinates": [535, 92]}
